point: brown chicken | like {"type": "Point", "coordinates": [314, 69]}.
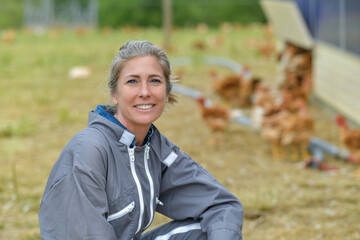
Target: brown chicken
{"type": "Point", "coordinates": [199, 45]}
{"type": "Point", "coordinates": [301, 63]}
{"type": "Point", "coordinates": [202, 28]}
{"type": "Point", "coordinates": [106, 31]}
{"type": "Point", "coordinates": [226, 87]}
{"type": "Point", "coordinates": [264, 99]}
{"type": "Point", "coordinates": [235, 89]}
{"type": "Point", "coordinates": [271, 129]}
{"type": "Point", "coordinates": [218, 40]}
{"type": "Point", "coordinates": [81, 31]}
{"type": "Point", "coordinates": [179, 73]}
{"type": "Point", "coordinates": [297, 130]}
{"type": "Point", "coordinates": [289, 51]}
{"type": "Point", "coordinates": [298, 75]}
{"type": "Point", "coordinates": [9, 36]}
{"type": "Point", "coordinates": [268, 32]}
{"type": "Point", "coordinates": [247, 90]}
{"type": "Point", "coordinates": [350, 138]}
{"type": "Point", "coordinates": [270, 118]}
{"type": "Point", "coordinates": [297, 86]}
{"type": "Point", "coordinates": [305, 129]}
{"type": "Point", "coordinates": [217, 118]}
{"type": "Point", "coordinates": [284, 126]}
{"type": "Point", "coordinates": [284, 58]}
{"type": "Point", "coordinates": [265, 48]}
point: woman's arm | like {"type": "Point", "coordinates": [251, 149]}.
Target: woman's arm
{"type": "Point", "coordinates": [74, 203]}
{"type": "Point", "coordinates": [189, 191]}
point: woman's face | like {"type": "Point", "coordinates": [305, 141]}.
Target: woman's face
{"type": "Point", "coordinates": [141, 93]}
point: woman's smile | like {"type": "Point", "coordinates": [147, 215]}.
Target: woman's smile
{"type": "Point", "coordinates": [145, 106]}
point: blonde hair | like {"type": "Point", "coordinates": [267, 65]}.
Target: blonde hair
{"type": "Point", "coordinates": [138, 48]}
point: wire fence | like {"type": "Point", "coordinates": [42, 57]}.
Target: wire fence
{"type": "Point", "coordinates": [50, 13]}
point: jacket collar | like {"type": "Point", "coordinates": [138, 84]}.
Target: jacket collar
{"type": "Point", "coordinates": [166, 151]}
{"type": "Point", "coordinates": [127, 137]}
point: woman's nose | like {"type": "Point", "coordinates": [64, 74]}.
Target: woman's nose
{"type": "Point", "coordinates": [144, 90]}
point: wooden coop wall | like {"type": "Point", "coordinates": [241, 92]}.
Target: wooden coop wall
{"type": "Point", "coordinates": [337, 80]}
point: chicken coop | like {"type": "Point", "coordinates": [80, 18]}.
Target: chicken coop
{"type": "Point", "coordinates": [330, 29]}
{"type": "Point", "coordinates": [65, 13]}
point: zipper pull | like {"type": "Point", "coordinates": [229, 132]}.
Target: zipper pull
{"type": "Point", "coordinates": [132, 155]}
{"type": "Point", "coordinates": [159, 202]}
{"type": "Point", "coordinates": [131, 206]}
{"type": "Point", "coordinates": [147, 150]}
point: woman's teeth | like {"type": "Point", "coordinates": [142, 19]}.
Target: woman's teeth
{"type": "Point", "coordinates": [144, 107]}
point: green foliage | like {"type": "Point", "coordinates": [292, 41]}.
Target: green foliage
{"type": "Point", "coordinates": [146, 13]}
{"type": "Point", "coordinates": [11, 14]}
{"type": "Point", "coordinates": [185, 12]}
{"type": "Point", "coordinates": [214, 12]}
{"type": "Point", "coordinates": [137, 12]}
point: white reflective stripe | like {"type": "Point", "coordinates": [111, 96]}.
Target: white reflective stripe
{"type": "Point", "coordinates": [122, 212]}
{"type": "Point", "coordinates": [146, 159]}
{"type": "Point", "coordinates": [170, 159]}
{"type": "Point", "coordinates": [138, 185]}
{"type": "Point", "coordinates": [182, 229]}
{"type": "Point", "coordinates": [127, 138]}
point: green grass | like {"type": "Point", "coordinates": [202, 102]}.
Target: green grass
{"type": "Point", "coordinates": [42, 109]}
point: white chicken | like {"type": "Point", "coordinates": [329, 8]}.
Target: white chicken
{"type": "Point", "coordinates": [80, 72]}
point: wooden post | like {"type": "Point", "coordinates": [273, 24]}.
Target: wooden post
{"type": "Point", "coordinates": [166, 19]}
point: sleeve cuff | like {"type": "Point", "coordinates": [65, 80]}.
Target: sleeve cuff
{"type": "Point", "coordinates": [224, 231]}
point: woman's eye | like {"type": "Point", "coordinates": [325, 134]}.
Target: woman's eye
{"type": "Point", "coordinates": [131, 81]}
{"type": "Point", "coordinates": [155, 80]}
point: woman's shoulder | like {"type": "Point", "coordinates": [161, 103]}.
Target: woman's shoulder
{"type": "Point", "coordinates": [87, 150]}
{"type": "Point", "coordinates": [89, 136]}
{"type": "Point", "coordinates": [89, 142]}
{"type": "Point", "coordinates": [162, 140]}
{"type": "Point", "coordinates": [166, 150]}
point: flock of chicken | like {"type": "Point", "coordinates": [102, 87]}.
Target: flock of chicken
{"type": "Point", "coordinates": [278, 111]}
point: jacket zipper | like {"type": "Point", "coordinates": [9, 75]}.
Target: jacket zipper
{"type": "Point", "coordinates": [122, 212]}
{"type": "Point", "coordinates": [146, 162]}
{"type": "Point", "coordinates": [138, 185]}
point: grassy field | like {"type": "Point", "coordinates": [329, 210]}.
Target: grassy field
{"type": "Point", "coordinates": [43, 109]}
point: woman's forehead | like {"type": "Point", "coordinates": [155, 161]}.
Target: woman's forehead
{"type": "Point", "coordinates": [142, 65]}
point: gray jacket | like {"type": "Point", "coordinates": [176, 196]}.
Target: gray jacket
{"type": "Point", "coordinates": [100, 188]}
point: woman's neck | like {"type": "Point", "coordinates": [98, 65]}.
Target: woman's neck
{"type": "Point", "coordinates": [140, 136]}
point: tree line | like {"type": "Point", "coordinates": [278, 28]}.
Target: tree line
{"type": "Point", "coordinates": [144, 13]}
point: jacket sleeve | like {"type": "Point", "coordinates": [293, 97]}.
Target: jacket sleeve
{"type": "Point", "coordinates": [189, 191]}
{"type": "Point", "coordinates": [74, 204]}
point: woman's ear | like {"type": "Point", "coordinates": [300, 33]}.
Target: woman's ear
{"type": "Point", "coordinates": [114, 100]}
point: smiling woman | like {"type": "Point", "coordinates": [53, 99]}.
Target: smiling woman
{"type": "Point", "coordinates": [118, 171]}
{"type": "Point", "coordinates": [141, 95]}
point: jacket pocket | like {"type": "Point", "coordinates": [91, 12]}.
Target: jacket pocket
{"type": "Point", "coordinates": [123, 213]}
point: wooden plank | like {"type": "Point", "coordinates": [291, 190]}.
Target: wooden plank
{"type": "Point", "coordinates": [288, 22]}
{"type": "Point", "coordinates": [337, 81]}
